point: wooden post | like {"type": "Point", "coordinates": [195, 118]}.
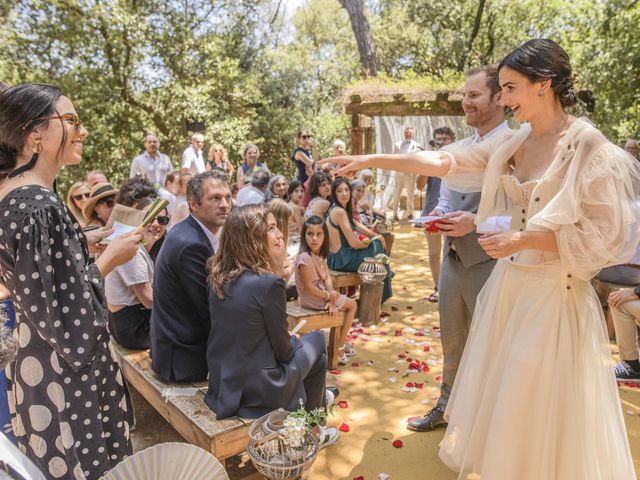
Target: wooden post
{"type": "Point", "coordinates": [369, 305]}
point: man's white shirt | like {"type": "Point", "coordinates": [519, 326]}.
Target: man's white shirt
{"type": "Point", "coordinates": [154, 169]}
{"type": "Point", "coordinates": [193, 160]}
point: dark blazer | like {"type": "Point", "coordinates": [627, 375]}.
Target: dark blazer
{"type": "Point", "coordinates": [250, 352]}
{"type": "Point", "coordinates": [180, 315]}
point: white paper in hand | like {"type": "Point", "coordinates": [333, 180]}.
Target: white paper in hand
{"type": "Point", "coordinates": [495, 224]}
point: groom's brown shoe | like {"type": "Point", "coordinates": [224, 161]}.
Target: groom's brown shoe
{"type": "Point", "coordinates": [432, 420]}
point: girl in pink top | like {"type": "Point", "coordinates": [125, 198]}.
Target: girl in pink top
{"type": "Point", "coordinates": [313, 281]}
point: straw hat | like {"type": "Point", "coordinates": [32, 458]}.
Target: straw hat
{"type": "Point", "coordinates": [99, 191]}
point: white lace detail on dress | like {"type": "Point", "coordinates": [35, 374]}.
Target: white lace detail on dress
{"type": "Point", "coordinates": [519, 193]}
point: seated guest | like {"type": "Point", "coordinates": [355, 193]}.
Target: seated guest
{"type": "Point", "coordinates": [313, 281]}
{"type": "Point", "coordinates": [319, 194]}
{"type": "Point", "coordinates": [254, 193]}
{"type": "Point", "coordinates": [170, 190]}
{"type": "Point", "coordinates": [347, 251]}
{"type": "Point", "coordinates": [625, 311]}
{"type": "Point", "coordinates": [158, 231]}
{"type": "Point", "coordinates": [357, 192]}
{"type": "Point", "coordinates": [180, 316]}
{"type": "Point", "coordinates": [277, 188]}
{"type": "Point", "coordinates": [129, 291]}
{"type": "Point", "coordinates": [101, 201]}
{"type": "Point", "coordinates": [295, 193]}
{"type": "Point", "coordinates": [255, 365]}
{"type": "Point", "coordinates": [314, 182]}
{"type": "Point", "coordinates": [282, 213]}
{"type": "Point", "coordinates": [134, 189]}
{"type": "Point", "coordinates": [77, 196]}
{"type": "Point", "coordinates": [96, 176]}
{"type": "Point", "coordinates": [249, 166]}
{"type": "Point", "coordinates": [369, 197]}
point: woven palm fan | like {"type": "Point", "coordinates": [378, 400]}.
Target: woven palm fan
{"type": "Point", "coordinates": [169, 461]}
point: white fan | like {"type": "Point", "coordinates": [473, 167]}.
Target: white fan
{"type": "Point", "coordinates": [169, 461]}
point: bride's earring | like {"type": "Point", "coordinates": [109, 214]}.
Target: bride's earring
{"type": "Point", "coordinates": [540, 93]}
{"type": "Point", "coordinates": [37, 147]}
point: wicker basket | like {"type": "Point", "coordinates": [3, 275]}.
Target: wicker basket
{"type": "Point", "coordinates": [271, 456]}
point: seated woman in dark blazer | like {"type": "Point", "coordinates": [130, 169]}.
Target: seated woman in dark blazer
{"type": "Point", "coordinates": [255, 365]}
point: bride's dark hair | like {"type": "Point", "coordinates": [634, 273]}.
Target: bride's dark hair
{"type": "Point", "coordinates": [23, 107]}
{"type": "Point", "coordinates": [543, 59]}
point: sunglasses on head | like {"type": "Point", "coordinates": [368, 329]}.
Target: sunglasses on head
{"type": "Point", "coordinates": [162, 219]}
{"type": "Point", "coordinates": [81, 196]}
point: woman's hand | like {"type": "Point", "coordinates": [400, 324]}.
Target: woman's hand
{"type": "Point", "coordinates": [94, 237]}
{"type": "Point", "coordinates": [620, 297]}
{"type": "Point", "coordinates": [349, 163]}
{"type": "Point", "coordinates": [503, 244]}
{"type": "Point", "coordinates": [119, 250]}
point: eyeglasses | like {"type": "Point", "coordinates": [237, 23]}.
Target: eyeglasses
{"type": "Point", "coordinates": [70, 117]}
{"type": "Point", "coordinates": [81, 196]}
{"type": "Point", "coordinates": [109, 203]}
{"type": "Point", "coordinates": [162, 219]}
{"type": "Point", "coordinates": [306, 137]}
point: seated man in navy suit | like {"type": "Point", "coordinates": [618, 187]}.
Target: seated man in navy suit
{"type": "Point", "coordinates": [180, 319]}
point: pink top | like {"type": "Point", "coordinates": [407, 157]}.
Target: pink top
{"type": "Point", "coordinates": [319, 273]}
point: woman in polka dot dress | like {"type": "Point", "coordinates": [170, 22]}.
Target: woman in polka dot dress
{"type": "Point", "coordinates": [70, 406]}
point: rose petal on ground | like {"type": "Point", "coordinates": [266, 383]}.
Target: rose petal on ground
{"type": "Point", "coordinates": [343, 404]}
{"type": "Point", "coordinates": [355, 364]}
{"type": "Point", "coordinates": [399, 332]}
{"type": "Point", "coordinates": [393, 379]}
{"type": "Point", "coordinates": [397, 443]}
{"type": "Point", "coordinates": [394, 309]}
{"type": "Point", "coordinates": [358, 478]}
{"type": "Point", "coordinates": [335, 371]}
{"type": "Point", "coordinates": [426, 349]}
{"type": "Point", "coordinates": [402, 355]}
{"type": "Point", "coordinates": [385, 314]}
{"type": "Point", "coordinates": [419, 385]}
{"type": "Point", "coordinates": [412, 318]}
{"type": "Point", "coordinates": [409, 307]}
{"type": "Point", "coordinates": [409, 384]}
{"type": "Point", "coordinates": [438, 378]}
{"type": "Point", "coordinates": [419, 334]}
{"type": "Point", "coordinates": [344, 428]}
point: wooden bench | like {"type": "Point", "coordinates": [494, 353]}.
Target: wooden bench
{"type": "Point", "coordinates": [342, 280]}
{"type": "Point", "coordinates": [189, 415]}
{"type": "Point", "coordinates": [317, 320]}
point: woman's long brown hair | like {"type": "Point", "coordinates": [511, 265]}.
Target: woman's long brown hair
{"type": "Point", "coordinates": [243, 247]}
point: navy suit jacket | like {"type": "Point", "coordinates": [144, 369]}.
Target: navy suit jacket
{"type": "Point", "coordinates": [180, 320]}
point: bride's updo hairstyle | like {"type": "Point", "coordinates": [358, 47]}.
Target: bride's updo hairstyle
{"type": "Point", "coordinates": [543, 59]}
{"type": "Point", "coordinates": [22, 108]}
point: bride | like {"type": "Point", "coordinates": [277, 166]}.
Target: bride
{"type": "Point", "coordinates": [535, 397]}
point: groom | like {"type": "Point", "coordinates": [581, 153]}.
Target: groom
{"type": "Point", "coordinates": [466, 266]}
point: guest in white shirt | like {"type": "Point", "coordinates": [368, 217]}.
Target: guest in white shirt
{"type": "Point", "coordinates": [254, 193]}
{"type": "Point", "coordinates": [192, 157]}
{"type": "Point", "coordinates": [399, 181]}
{"type": "Point", "coordinates": [151, 164]}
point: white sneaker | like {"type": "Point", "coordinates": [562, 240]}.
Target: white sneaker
{"type": "Point", "coordinates": [328, 436]}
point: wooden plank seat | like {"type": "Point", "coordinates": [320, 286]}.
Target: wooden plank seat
{"type": "Point", "coordinates": [317, 320]}
{"type": "Point", "coordinates": [189, 415]}
{"type": "Point", "coordinates": [344, 279]}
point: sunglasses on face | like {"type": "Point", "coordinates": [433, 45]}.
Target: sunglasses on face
{"type": "Point", "coordinates": [80, 196]}
{"type": "Point", "coordinates": [162, 219]}
{"type": "Point", "coordinates": [306, 137]}
{"type": "Point", "coordinates": [109, 203]}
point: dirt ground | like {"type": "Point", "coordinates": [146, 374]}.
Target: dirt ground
{"type": "Point", "coordinates": [378, 407]}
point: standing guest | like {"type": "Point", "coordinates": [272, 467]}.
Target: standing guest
{"type": "Point", "coordinates": [442, 137]}
{"type": "Point", "coordinates": [313, 281]}
{"type": "Point", "coordinates": [399, 181]}
{"type": "Point", "coordinates": [170, 190]}
{"type": "Point", "coordinates": [277, 188]}
{"type": "Point", "coordinates": [249, 166]}
{"type": "Point", "coordinates": [264, 367]}
{"type": "Point", "coordinates": [570, 194]}
{"type": "Point", "coordinates": [347, 251]}
{"type": "Point", "coordinates": [254, 193]}
{"type": "Point", "coordinates": [217, 158]}
{"type": "Point", "coordinates": [339, 148]}
{"type": "Point", "coordinates": [77, 196]}
{"type": "Point", "coordinates": [70, 405]}
{"type": "Point", "coordinates": [304, 155]}
{"type": "Point", "coordinates": [180, 320]}
{"type": "Point", "coordinates": [632, 148]}
{"type": "Point", "coordinates": [192, 158]}
{"type": "Point", "coordinates": [96, 176]}
{"type": "Point", "coordinates": [295, 193]}
{"type": "Point", "coordinates": [129, 290]}
{"type": "Point", "coordinates": [151, 164]}
{"type": "Point", "coordinates": [98, 207]}
{"type": "Point", "coordinates": [180, 209]}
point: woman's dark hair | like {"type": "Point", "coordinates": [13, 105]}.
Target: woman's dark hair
{"type": "Point", "coordinates": [293, 184]}
{"type": "Point", "coordinates": [24, 107]}
{"type": "Point", "coordinates": [334, 201]}
{"type": "Point", "coordinates": [316, 180]}
{"type": "Point", "coordinates": [134, 189]}
{"type": "Point", "coordinates": [315, 220]}
{"type": "Point", "coordinates": [543, 59]}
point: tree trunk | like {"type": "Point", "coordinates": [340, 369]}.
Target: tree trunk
{"type": "Point", "coordinates": [472, 36]}
{"type": "Point", "coordinates": [364, 38]}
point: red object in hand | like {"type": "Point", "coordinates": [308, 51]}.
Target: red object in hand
{"type": "Point", "coordinates": [431, 226]}
{"type": "Point", "coordinates": [397, 443]}
{"type": "Point", "coordinates": [344, 428]}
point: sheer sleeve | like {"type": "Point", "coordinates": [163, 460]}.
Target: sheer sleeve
{"type": "Point", "coordinates": [596, 214]}
{"type": "Point", "coordinates": [61, 294]}
{"type": "Point", "coordinates": [468, 162]}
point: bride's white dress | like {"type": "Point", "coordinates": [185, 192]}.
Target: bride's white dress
{"type": "Point", "coordinates": [535, 397]}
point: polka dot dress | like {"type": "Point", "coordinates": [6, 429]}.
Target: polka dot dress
{"type": "Point", "coordinates": [70, 406]}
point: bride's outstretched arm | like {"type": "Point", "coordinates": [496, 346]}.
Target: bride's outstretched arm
{"type": "Point", "coordinates": [428, 163]}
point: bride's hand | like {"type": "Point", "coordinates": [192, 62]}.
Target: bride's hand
{"type": "Point", "coordinates": [503, 244]}
{"type": "Point", "coordinates": [348, 163]}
